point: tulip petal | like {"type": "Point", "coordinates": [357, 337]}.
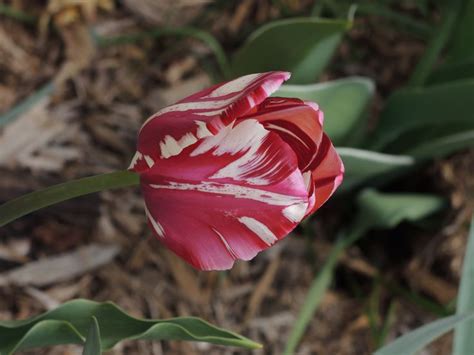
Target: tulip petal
{"type": "Point", "coordinates": [170, 130]}
{"type": "Point", "coordinates": [297, 122]}
{"type": "Point", "coordinates": [327, 171]}
{"type": "Point", "coordinates": [226, 197]}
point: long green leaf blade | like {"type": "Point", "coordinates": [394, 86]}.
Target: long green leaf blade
{"type": "Point", "coordinates": [69, 324]}
{"type": "Point", "coordinates": [419, 338]}
{"type": "Point", "coordinates": [463, 334]}
{"type": "Point", "coordinates": [445, 109]}
{"type": "Point", "coordinates": [443, 146]}
{"type": "Point", "coordinates": [314, 297]}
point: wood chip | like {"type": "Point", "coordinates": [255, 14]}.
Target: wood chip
{"type": "Point", "coordinates": [25, 141]}
{"type": "Point", "coordinates": [186, 279]}
{"type": "Point", "coordinates": [439, 289]}
{"type": "Point", "coordinates": [64, 267]}
{"type": "Point", "coordinates": [262, 288]}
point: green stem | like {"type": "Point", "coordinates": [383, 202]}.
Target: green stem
{"type": "Point", "coordinates": [31, 202]}
{"type": "Point", "coordinates": [319, 286]}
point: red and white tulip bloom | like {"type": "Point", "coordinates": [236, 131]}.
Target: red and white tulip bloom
{"type": "Point", "coordinates": [229, 171]}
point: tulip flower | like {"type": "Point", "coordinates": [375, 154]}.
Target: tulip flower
{"type": "Point", "coordinates": [227, 172]}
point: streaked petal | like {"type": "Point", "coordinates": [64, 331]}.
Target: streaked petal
{"type": "Point", "coordinates": [170, 130]}
{"type": "Point", "coordinates": [327, 171]}
{"type": "Point", "coordinates": [297, 122]}
{"type": "Point", "coordinates": [226, 197]}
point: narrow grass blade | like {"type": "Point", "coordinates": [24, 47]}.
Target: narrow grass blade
{"type": "Point", "coordinates": [436, 45]}
{"type": "Point", "coordinates": [462, 48]}
{"type": "Point", "coordinates": [318, 289]}
{"type": "Point", "coordinates": [464, 333]}
{"type": "Point", "coordinates": [26, 104]}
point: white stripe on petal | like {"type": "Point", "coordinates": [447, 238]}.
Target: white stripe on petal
{"type": "Point", "coordinates": [231, 140]}
{"type": "Point", "coordinates": [271, 198]}
{"type": "Point", "coordinates": [202, 130]}
{"type": "Point", "coordinates": [156, 225]}
{"type": "Point", "coordinates": [169, 147]}
{"type": "Point", "coordinates": [187, 140]}
{"type": "Point", "coordinates": [135, 159]}
{"type": "Point", "coordinates": [224, 241]}
{"type": "Point", "coordinates": [278, 128]}
{"type": "Point", "coordinates": [149, 161]}
{"type": "Point", "coordinates": [296, 212]}
{"type": "Point", "coordinates": [260, 229]}
{"type": "Point", "coordinates": [233, 86]}
{"type": "Point", "coordinates": [307, 178]}
{"type": "Point", "coordinates": [215, 106]}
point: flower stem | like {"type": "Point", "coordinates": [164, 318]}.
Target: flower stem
{"type": "Point", "coordinates": [36, 200]}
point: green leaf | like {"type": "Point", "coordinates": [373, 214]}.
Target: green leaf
{"type": "Point", "coordinates": [93, 345]}
{"type": "Point", "coordinates": [443, 146]}
{"type": "Point", "coordinates": [341, 121]}
{"type": "Point", "coordinates": [463, 334]}
{"type": "Point", "coordinates": [69, 324]}
{"type": "Point", "coordinates": [462, 42]}
{"type": "Point", "coordinates": [361, 165]}
{"type": "Point", "coordinates": [452, 71]}
{"type": "Point", "coordinates": [419, 338]}
{"type": "Point", "coordinates": [302, 46]}
{"type": "Point", "coordinates": [387, 210]}
{"type": "Point", "coordinates": [445, 109]}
